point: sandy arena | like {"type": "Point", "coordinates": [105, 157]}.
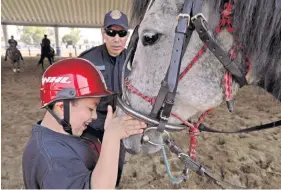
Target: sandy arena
{"type": "Point", "coordinates": [251, 160]}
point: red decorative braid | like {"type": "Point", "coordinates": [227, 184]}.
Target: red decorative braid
{"type": "Point", "coordinates": [227, 82]}
{"type": "Point", "coordinates": [193, 61]}
{"type": "Point", "coordinates": [182, 120]}
{"type": "Point", "coordinates": [226, 18]}
{"type": "Point", "coordinates": [134, 90]}
{"type": "Point", "coordinates": [193, 133]}
{"type": "Point", "coordinates": [226, 21]}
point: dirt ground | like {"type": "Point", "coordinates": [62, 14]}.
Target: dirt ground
{"type": "Point", "coordinates": [250, 160]}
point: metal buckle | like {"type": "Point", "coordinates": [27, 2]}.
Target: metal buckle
{"type": "Point", "coordinates": [195, 17]}
{"type": "Point", "coordinates": [146, 139]}
{"type": "Point", "coordinates": [182, 15]}
{"type": "Point", "coordinates": [163, 117]}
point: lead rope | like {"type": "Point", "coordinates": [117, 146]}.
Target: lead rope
{"type": "Point", "coordinates": [173, 179]}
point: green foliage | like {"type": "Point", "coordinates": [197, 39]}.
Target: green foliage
{"type": "Point", "coordinates": [72, 38]}
{"type": "Point", "coordinates": [32, 34]}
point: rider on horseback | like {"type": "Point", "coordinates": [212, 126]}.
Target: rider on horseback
{"type": "Point", "coordinates": [45, 48]}
{"type": "Point", "coordinates": [12, 44]}
{"type": "Point", "coordinates": [45, 42]}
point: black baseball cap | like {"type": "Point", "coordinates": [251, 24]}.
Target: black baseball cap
{"type": "Point", "coordinates": [116, 17]}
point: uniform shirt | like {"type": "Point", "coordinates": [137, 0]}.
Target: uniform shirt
{"type": "Point", "coordinates": [54, 160]}
{"type": "Point", "coordinates": [46, 42]}
{"type": "Point", "coordinates": [111, 69]}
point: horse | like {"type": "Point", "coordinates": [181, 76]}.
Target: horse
{"type": "Point", "coordinates": [189, 56]}
{"type": "Point", "coordinates": [14, 56]}
{"type": "Point", "coordinates": [48, 52]}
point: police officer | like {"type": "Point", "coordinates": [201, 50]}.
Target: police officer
{"type": "Point", "coordinates": [109, 58]}
{"type": "Point", "coordinates": [45, 47]}
{"type": "Point", "coordinates": [45, 42]}
{"type": "Point", "coordinates": [12, 41]}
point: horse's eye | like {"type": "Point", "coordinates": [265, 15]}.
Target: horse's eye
{"type": "Point", "coordinates": [150, 38]}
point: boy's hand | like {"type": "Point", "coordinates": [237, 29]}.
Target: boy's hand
{"type": "Point", "coordinates": [124, 126]}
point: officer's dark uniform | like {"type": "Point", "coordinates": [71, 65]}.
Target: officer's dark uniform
{"type": "Point", "coordinates": [45, 46]}
{"type": "Point", "coordinates": [111, 69]}
{"type": "Point", "coordinates": [46, 42]}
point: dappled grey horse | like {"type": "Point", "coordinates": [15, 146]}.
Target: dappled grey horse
{"type": "Point", "coordinates": [189, 56]}
{"type": "Point", "coordinates": [14, 56]}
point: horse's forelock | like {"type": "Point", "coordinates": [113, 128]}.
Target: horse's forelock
{"type": "Point", "coordinates": [138, 10]}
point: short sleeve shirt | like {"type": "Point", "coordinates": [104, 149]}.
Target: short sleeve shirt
{"type": "Point", "coordinates": [55, 160]}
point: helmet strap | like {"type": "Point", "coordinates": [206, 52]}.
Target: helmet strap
{"type": "Point", "coordinates": [65, 123]}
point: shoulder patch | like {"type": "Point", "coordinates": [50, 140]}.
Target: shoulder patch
{"type": "Point", "coordinates": [100, 67]}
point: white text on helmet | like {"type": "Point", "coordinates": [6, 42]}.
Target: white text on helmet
{"type": "Point", "coordinates": [56, 80]}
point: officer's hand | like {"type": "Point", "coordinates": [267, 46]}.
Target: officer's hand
{"type": "Point", "coordinates": [122, 127]}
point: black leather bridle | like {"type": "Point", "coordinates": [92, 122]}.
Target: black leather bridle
{"type": "Point", "coordinates": [189, 20]}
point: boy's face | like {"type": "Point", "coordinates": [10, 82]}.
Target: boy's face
{"type": "Point", "coordinates": [82, 112]}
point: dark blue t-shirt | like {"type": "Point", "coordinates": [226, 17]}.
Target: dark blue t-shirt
{"type": "Point", "coordinates": [55, 160]}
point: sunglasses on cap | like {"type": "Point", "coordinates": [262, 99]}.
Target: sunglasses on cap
{"type": "Point", "coordinates": [112, 33]}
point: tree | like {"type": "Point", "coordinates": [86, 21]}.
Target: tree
{"type": "Point", "coordinates": [73, 37]}
{"type": "Point", "coordinates": [32, 34]}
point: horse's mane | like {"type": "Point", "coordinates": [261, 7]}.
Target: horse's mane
{"type": "Point", "coordinates": [257, 25]}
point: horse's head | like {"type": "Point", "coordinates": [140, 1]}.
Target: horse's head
{"type": "Point", "coordinates": [256, 37]}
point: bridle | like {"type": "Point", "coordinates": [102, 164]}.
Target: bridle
{"type": "Point", "coordinates": [189, 20]}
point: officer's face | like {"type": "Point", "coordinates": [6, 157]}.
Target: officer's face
{"type": "Point", "coordinates": [82, 112]}
{"type": "Point", "coordinates": [114, 44]}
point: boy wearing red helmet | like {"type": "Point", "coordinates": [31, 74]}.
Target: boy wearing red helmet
{"type": "Point", "coordinates": [56, 156]}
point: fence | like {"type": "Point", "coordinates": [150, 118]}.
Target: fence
{"type": "Point", "coordinates": [65, 52]}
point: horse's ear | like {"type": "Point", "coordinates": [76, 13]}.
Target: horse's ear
{"type": "Point", "coordinates": [138, 9]}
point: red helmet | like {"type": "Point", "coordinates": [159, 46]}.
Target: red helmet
{"type": "Point", "coordinates": [70, 79]}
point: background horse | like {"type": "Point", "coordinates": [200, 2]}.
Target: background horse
{"type": "Point", "coordinates": [14, 56]}
{"type": "Point", "coordinates": [47, 52]}
{"type": "Point", "coordinates": [252, 37]}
